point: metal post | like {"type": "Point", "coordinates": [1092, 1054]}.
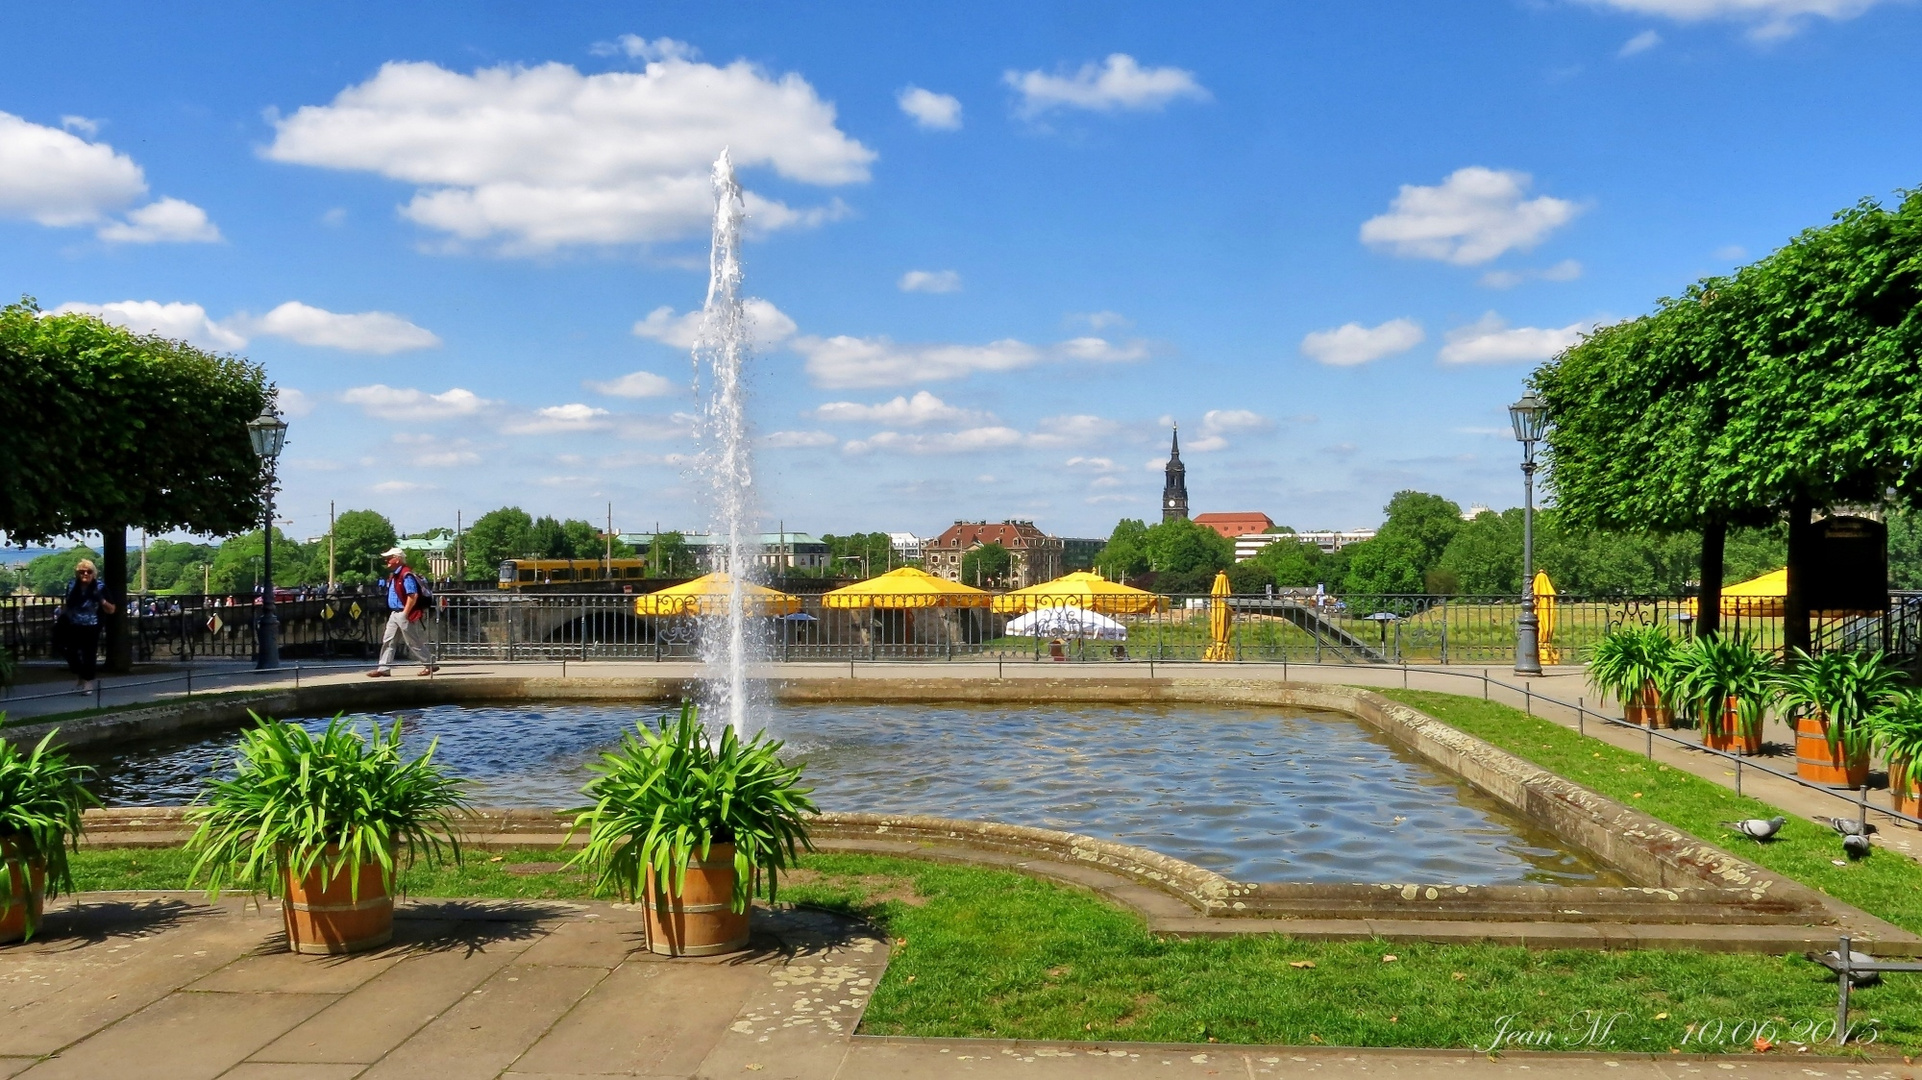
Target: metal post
{"type": "Point", "coordinates": [1843, 981]}
{"type": "Point", "coordinates": [1581, 717]}
{"type": "Point", "coordinates": [1651, 741]}
{"type": "Point", "coordinates": [1738, 776]}
{"type": "Point", "coordinates": [269, 632]}
{"type": "Point", "coordinates": [1528, 656]}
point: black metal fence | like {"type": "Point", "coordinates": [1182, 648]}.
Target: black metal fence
{"type": "Point", "coordinates": [500, 625]}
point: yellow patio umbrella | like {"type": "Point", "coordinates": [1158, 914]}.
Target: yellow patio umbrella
{"type": "Point", "coordinates": [1544, 591]}
{"type": "Point", "coordinates": [1088, 591]}
{"type": "Point", "coordinates": [1759, 597]}
{"type": "Point", "coordinates": [906, 588]}
{"type": "Point", "coordinates": [1220, 618]}
{"type": "Point", "coordinates": [708, 595]}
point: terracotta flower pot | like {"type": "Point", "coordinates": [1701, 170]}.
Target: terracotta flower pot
{"type": "Point", "coordinates": [23, 891]}
{"type": "Point", "coordinates": [1725, 733]}
{"type": "Point", "coordinates": [1645, 709]}
{"type": "Point", "coordinates": [1818, 762]}
{"type": "Point", "coordinates": [331, 916]}
{"type": "Point", "coordinates": [1905, 787]}
{"type": "Point", "coordinates": [700, 921]}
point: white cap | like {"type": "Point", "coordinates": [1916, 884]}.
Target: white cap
{"type": "Point", "coordinates": [393, 553]}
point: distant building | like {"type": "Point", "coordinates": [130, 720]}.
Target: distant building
{"type": "Point", "coordinates": [439, 552]}
{"type": "Point", "coordinates": [1474, 510]}
{"type": "Point", "coordinates": [1037, 556]}
{"type": "Point", "coordinates": [907, 546]}
{"type": "Point", "coordinates": [1233, 525]}
{"type": "Point", "coordinates": [1328, 540]}
{"type": "Point", "coordinates": [1174, 489]}
{"type": "Point", "coordinates": [1077, 553]}
{"type": "Point", "coordinates": [772, 551]}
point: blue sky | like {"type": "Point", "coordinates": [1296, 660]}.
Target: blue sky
{"type": "Point", "coordinates": [998, 247]}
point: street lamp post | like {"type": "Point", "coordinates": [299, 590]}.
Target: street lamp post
{"type": "Point", "coordinates": [1530, 417]}
{"type": "Point", "coordinates": [268, 432]}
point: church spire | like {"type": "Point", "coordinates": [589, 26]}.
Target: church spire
{"type": "Point", "coordinates": [1174, 492]}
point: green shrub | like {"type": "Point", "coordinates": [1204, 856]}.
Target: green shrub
{"type": "Point", "coordinates": [41, 798]}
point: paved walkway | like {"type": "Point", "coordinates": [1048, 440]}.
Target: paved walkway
{"type": "Point", "coordinates": [161, 986]}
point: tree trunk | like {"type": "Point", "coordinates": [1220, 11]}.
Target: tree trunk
{"type": "Point", "coordinates": [1708, 600]}
{"type": "Point", "coordinates": [1795, 606]}
{"type": "Point", "coordinates": [113, 571]}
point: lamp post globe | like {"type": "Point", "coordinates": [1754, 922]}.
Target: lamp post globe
{"type": "Point", "coordinates": [268, 432]}
{"type": "Point", "coordinates": [1530, 419]}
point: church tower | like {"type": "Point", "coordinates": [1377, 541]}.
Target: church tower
{"type": "Point", "coordinates": [1174, 492]}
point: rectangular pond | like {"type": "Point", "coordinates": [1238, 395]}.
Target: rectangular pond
{"type": "Point", "coordinates": [1253, 793]}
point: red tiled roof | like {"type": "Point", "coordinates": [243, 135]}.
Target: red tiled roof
{"type": "Point", "coordinates": [966, 534]}
{"type": "Point", "coordinates": [1233, 525]}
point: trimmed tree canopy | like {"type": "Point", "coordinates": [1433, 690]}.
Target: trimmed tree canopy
{"type": "Point", "coordinates": [102, 428]}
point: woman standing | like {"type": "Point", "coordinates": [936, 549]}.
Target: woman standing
{"type": "Point", "coordinates": [80, 619]}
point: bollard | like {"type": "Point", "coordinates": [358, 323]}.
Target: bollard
{"type": "Point", "coordinates": [1651, 741]}
{"type": "Point", "coordinates": [1738, 776]}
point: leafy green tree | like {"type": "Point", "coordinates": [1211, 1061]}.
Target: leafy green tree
{"type": "Point", "coordinates": [1485, 555]}
{"type": "Point", "coordinates": [237, 563]}
{"type": "Point", "coordinates": [547, 539]}
{"type": "Point", "coordinates": [1125, 555]}
{"type": "Point", "coordinates": [877, 549]}
{"type": "Point", "coordinates": [50, 574]}
{"type": "Point", "coordinates": [1179, 546]}
{"type": "Point", "coordinates": [172, 564]}
{"type": "Point", "coordinates": [103, 429]}
{"type": "Point", "coordinates": [669, 556]}
{"type": "Point", "coordinates": [1248, 576]}
{"type": "Point", "coordinates": [1290, 563]}
{"type": "Point", "coordinates": [1386, 563]}
{"type": "Point", "coordinates": [359, 538]}
{"type": "Point", "coordinates": [1905, 550]}
{"type": "Point", "coordinates": [988, 566]}
{"type": "Point", "coordinates": [495, 537]}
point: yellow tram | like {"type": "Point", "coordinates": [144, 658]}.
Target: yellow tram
{"type": "Point", "coordinates": [521, 573]}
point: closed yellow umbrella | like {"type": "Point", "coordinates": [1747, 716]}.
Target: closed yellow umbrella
{"type": "Point", "coordinates": [709, 595]}
{"type": "Point", "coordinates": [907, 588]}
{"type": "Point", "coordinates": [1544, 591]}
{"type": "Point", "coordinates": [1220, 618]}
{"type": "Point", "coordinates": [1088, 591]}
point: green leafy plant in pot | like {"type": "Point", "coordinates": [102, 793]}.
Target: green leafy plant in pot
{"type": "Point", "coordinates": [1897, 731]}
{"type": "Point", "coordinates": [692, 823]}
{"type": "Point", "coordinates": [1724, 683]}
{"type": "Point", "coordinates": [325, 823]}
{"type": "Point", "coordinates": [41, 798]}
{"type": "Point", "coordinates": [1634, 665]}
{"type": "Point", "coordinates": [1832, 697]}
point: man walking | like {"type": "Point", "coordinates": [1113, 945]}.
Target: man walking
{"type": "Point", "coordinates": [407, 612]}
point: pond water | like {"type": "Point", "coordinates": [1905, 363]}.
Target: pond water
{"type": "Point", "coordinates": [1256, 794]}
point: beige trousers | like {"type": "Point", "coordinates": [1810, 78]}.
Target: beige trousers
{"type": "Point", "coordinates": [413, 634]}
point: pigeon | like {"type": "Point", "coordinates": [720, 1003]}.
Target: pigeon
{"type": "Point", "coordinates": [1856, 844]}
{"type": "Point", "coordinates": [1847, 826]}
{"type": "Point", "coordinates": [1857, 978]}
{"type": "Point", "coordinates": [1758, 828]}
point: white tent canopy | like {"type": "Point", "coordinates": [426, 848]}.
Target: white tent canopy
{"type": "Point", "coordinates": [1067, 622]}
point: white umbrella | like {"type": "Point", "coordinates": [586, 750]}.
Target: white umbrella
{"type": "Point", "coordinates": [1067, 622]}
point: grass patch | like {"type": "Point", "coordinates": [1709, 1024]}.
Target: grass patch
{"type": "Point", "coordinates": [1884, 884]}
{"type": "Point", "coordinates": [988, 953]}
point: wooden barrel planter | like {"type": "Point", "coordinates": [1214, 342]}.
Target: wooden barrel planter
{"type": "Point", "coordinates": [1646, 709]}
{"type": "Point", "coordinates": [1905, 788]}
{"type": "Point", "coordinates": [1819, 763]}
{"type": "Point", "coordinates": [25, 890]}
{"type": "Point", "coordinates": [327, 917]}
{"type": "Point", "coordinates": [1729, 738]}
{"type": "Point", "coordinates": [700, 921]}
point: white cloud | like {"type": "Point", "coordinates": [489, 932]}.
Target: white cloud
{"type": "Point", "coordinates": [52, 177]}
{"type": "Point", "coordinates": [84, 125]}
{"type": "Point", "coordinates": [639, 48]}
{"type": "Point", "coordinates": [797, 440]}
{"type": "Point", "coordinates": [1102, 351]}
{"type": "Point", "coordinates": [1640, 43]}
{"type": "Point", "coordinates": [537, 158]}
{"type": "Point", "coordinates": [395, 403]}
{"type": "Point", "coordinates": [1232, 421]}
{"type": "Point", "coordinates": [557, 419]}
{"type": "Point", "coordinates": [1471, 217]}
{"type": "Point", "coordinates": [931, 281]}
{"type": "Point", "coordinates": [1490, 340]}
{"type": "Point", "coordinates": [1070, 430]}
{"type": "Point", "coordinates": [768, 324]}
{"type": "Point", "coordinates": [931, 111]}
{"type": "Point", "coordinates": [378, 332]}
{"type": "Point", "coordinates": [1099, 320]}
{"type": "Point", "coordinates": [398, 487]}
{"type": "Point", "coordinates": [291, 402]}
{"type": "Point", "coordinates": [921, 409]}
{"type": "Point", "coordinates": [55, 178]}
{"type": "Point", "coordinates": [182, 322]}
{"type": "Point", "coordinates": [967, 441]}
{"type": "Point", "coordinates": [849, 362]}
{"type": "Point", "coordinates": [569, 481]}
{"type": "Point", "coordinates": [1566, 270]}
{"type": "Point", "coordinates": [1766, 18]}
{"type": "Point", "coordinates": [164, 221]}
{"type": "Point", "coordinates": [638, 384]}
{"type": "Point", "coordinates": [1118, 83]}
{"type": "Point", "coordinates": [445, 459]}
{"type": "Point", "coordinates": [1094, 464]}
{"type": "Point", "coordinates": [1352, 343]}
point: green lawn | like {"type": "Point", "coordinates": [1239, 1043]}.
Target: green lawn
{"type": "Point", "coordinates": [993, 954]}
